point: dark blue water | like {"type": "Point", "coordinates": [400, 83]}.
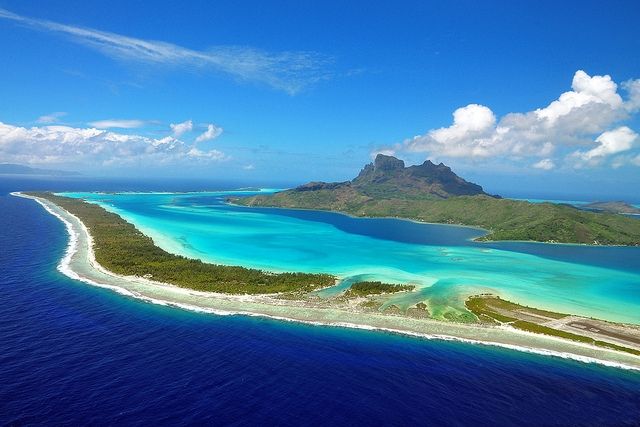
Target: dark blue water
{"type": "Point", "coordinates": [71, 354]}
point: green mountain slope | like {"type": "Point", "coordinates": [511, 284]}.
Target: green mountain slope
{"type": "Point", "coordinates": [433, 193]}
{"type": "Point", "coordinates": [612, 207]}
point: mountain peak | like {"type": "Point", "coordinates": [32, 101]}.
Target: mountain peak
{"type": "Point", "coordinates": [387, 163]}
{"type": "Point", "coordinates": [391, 174]}
{"type": "Point", "coordinates": [388, 177]}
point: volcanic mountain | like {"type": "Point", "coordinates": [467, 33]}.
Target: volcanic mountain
{"type": "Point", "coordinates": [388, 176]}
{"type": "Point", "coordinates": [434, 193]}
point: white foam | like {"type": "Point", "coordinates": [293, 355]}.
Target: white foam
{"type": "Point", "coordinates": [72, 247]}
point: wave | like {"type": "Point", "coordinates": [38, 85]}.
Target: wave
{"type": "Point", "coordinates": [64, 266]}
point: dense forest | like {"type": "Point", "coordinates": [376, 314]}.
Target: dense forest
{"type": "Point", "coordinates": [373, 288]}
{"type": "Point", "coordinates": [123, 249]}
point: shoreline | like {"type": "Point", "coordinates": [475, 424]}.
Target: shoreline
{"type": "Point", "coordinates": [79, 263]}
{"type": "Point", "coordinates": [417, 221]}
{"type": "Point", "coordinates": [399, 218]}
{"type": "Point", "coordinates": [485, 231]}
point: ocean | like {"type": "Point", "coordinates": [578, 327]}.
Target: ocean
{"type": "Point", "coordinates": [73, 354]}
{"type": "Point", "coordinates": [442, 261]}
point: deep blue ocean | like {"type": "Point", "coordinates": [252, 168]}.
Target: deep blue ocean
{"type": "Point", "coordinates": [72, 354]}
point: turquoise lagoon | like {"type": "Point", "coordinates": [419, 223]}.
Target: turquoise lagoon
{"type": "Point", "coordinates": [442, 261]}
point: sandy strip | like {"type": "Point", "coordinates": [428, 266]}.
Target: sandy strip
{"type": "Point", "coordinates": [79, 263]}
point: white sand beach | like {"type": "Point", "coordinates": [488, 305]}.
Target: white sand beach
{"type": "Point", "coordinates": [79, 263]}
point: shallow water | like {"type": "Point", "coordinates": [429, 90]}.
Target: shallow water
{"type": "Point", "coordinates": [73, 354]}
{"type": "Point", "coordinates": [440, 260]}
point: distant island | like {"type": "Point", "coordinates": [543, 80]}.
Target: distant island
{"type": "Point", "coordinates": [618, 207]}
{"type": "Point", "coordinates": [14, 169]}
{"type": "Point", "coordinates": [434, 193]}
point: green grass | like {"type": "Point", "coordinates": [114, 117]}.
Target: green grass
{"type": "Point", "coordinates": [540, 329]}
{"type": "Point", "coordinates": [123, 249]}
{"type": "Point", "coordinates": [489, 304]}
{"type": "Point", "coordinates": [485, 309]}
{"type": "Point", "coordinates": [486, 314]}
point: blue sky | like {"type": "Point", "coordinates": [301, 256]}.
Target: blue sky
{"type": "Point", "coordinates": [295, 91]}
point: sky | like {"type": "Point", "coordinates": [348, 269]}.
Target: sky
{"type": "Point", "coordinates": [525, 98]}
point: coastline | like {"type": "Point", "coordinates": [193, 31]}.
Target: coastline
{"type": "Point", "coordinates": [400, 218]}
{"type": "Point", "coordinates": [485, 231]}
{"type": "Point", "coordinates": [79, 263]}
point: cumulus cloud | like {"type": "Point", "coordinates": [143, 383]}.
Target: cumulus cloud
{"type": "Point", "coordinates": [211, 154]}
{"type": "Point", "coordinates": [180, 129]}
{"type": "Point", "coordinates": [581, 117]}
{"type": "Point", "coordinates": [70, 145]}
{"type": "Point", "coordinates": [51, 118]}
{"type": "Point", "coordinates": [611, 142]}
{"type": "Point", "coordinates": [287, 71]}
{"type": "Point", "coordinates": [633, 88]}
{"type": "Point", "coordinates": [117, 123]}
{"type": "Point", "coordinates": [469, 135]}
{"type": "Point", "coordinates": [545, 164]}
{"type": "Point", "coordinates": [212, 132]}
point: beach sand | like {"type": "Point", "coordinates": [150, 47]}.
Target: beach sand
{"type": "Point", "coordinates": [79, 263]}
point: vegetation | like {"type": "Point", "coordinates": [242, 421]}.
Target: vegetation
{"type": "Point", "coordinates": [491, 309]}
{"type": "Point", "coordinates": [419, 311]}
{"type": "Point", "coordinates": [612, 207]}
{"type": "Point", "coordinates": [375, 288]}
{"type": "Point", "coordinates": [371, 304]}
{"type": "Point", "coordinates": [122, 249]}
{"type": "Point", "coordinates": [505, 219]}
{"type": "Point", "coordinates": [540, 329]}
{"type": "Point", "coordinates": [433, 193]}
{"type": "Point", "coordinates": [488, 305]}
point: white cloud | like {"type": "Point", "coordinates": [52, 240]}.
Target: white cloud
{"type": "Point", "coordinates": [117, 123]}
{"type": "Point", "coordinates": [68, 145]}
{"type": "Point", "coordinates": [180, 129]}
{"type": "Point", "coordinates": [611, 142]}
{"type": "Point", "coordinates": [587, 90]}
{"type": "Point", "coordinates": [545, 164]}
{"type": "Point", "coordinates": [212, 132]}
{"type": "Point", "coordinates": [287, 71]}
{"type": "Point", "coordinates": [633, 89]}
{"type": "Point", "coordinates": [51, 118]}
{"type": "Point", "coordinates": [248, 167]}
{"type": "Point", "coordinates": [385, 151]}
{"type": "Point", "coordinates": [574, 119]}
{"type": "Point", "coordinates": [470, 135]}
{"type": "Point", "coordinates": [211, 154]}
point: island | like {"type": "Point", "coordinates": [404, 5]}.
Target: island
{"type": "Point", "coordinates": [494, 310]}
{"type": "Point", "coordinates": [434, 193]}
{"type": "Point", "coordinates": [618, 207]}
{"type": "Point", "coordinates": [367, 288]}
{"type": "Point", "coordinates": [105, 250]}
{"type": "Point", "coordinates": [14, 169]}
{"type": "Point", "coordinates": [124, 250]}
